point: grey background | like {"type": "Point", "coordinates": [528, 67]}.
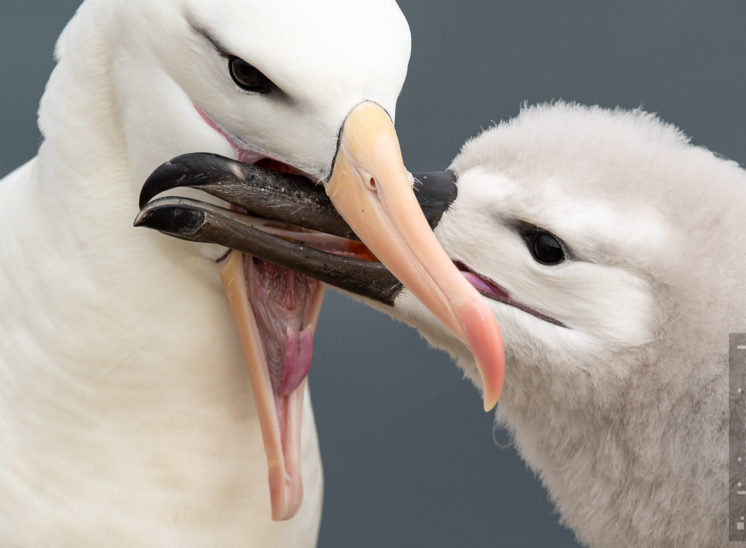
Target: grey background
{"type": "Point", "coordinates": [410, 458]}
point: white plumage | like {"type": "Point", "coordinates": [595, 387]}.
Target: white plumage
{"type": "Point", "coordinates": [623, 411]}
{"type": "Point", "coordinates": [126, 414]}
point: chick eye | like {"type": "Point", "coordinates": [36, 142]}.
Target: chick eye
{"type": "Point", "coordinates": [248, 77]}
{"type": "Point", "coordinates": [545, 248]}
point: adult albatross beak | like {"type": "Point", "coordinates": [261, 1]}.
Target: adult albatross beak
{"type": "Point", "coordinates": [372, 191]}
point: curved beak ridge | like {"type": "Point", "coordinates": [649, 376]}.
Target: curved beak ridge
{"type": "Point", "coordinates": [372, 191]}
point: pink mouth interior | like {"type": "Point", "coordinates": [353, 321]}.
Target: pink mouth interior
{"type": "Point", "coordinates": [281, 298]}
{"type": "Point", "coordinates": [285, 306]}
{"type": "Point", "coordinates": [493, 291]}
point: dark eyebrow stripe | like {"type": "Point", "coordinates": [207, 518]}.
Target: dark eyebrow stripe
{"type": "Point", "coordinates": [202, 31]}
{"type": "Point", "coordinates": [225, 52]}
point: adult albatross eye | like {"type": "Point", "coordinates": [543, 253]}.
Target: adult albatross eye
{"type": "Point", "coordinates": [545, 248]}
{"type": "Point", "coordinates": [248, 77]}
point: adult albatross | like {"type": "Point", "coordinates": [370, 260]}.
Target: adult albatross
{"type": "Point", "coordinates": [609, 248]}
{"type": "Point", "coordinates": [127, 414]}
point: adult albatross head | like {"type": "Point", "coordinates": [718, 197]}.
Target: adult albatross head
{"type": "Point", "coordinates": [308, 88]}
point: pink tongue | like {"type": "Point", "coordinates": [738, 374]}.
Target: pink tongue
{"type": "Point", "coordinates": [281, 298]}
{"type": "Point", "coordinates": [298, 351]}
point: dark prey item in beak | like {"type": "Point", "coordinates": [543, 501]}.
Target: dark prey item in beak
{"type": "Point", "coordinates": [278, 196]}
{"type": "Point", "coordinates": [197, 221]}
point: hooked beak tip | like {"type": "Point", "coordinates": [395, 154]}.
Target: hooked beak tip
{"type": "Point", "coordinates": [372, 190]}
{"type": "Point", "coordinates": [171, 216]}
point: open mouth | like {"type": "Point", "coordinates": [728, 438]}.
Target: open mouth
{"type": "Point", "coordinates": [275, 307]}
{"type": "Point", "coordinates": [286, 238]}
{"type": "Point", "coordinates": [275, 310]}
